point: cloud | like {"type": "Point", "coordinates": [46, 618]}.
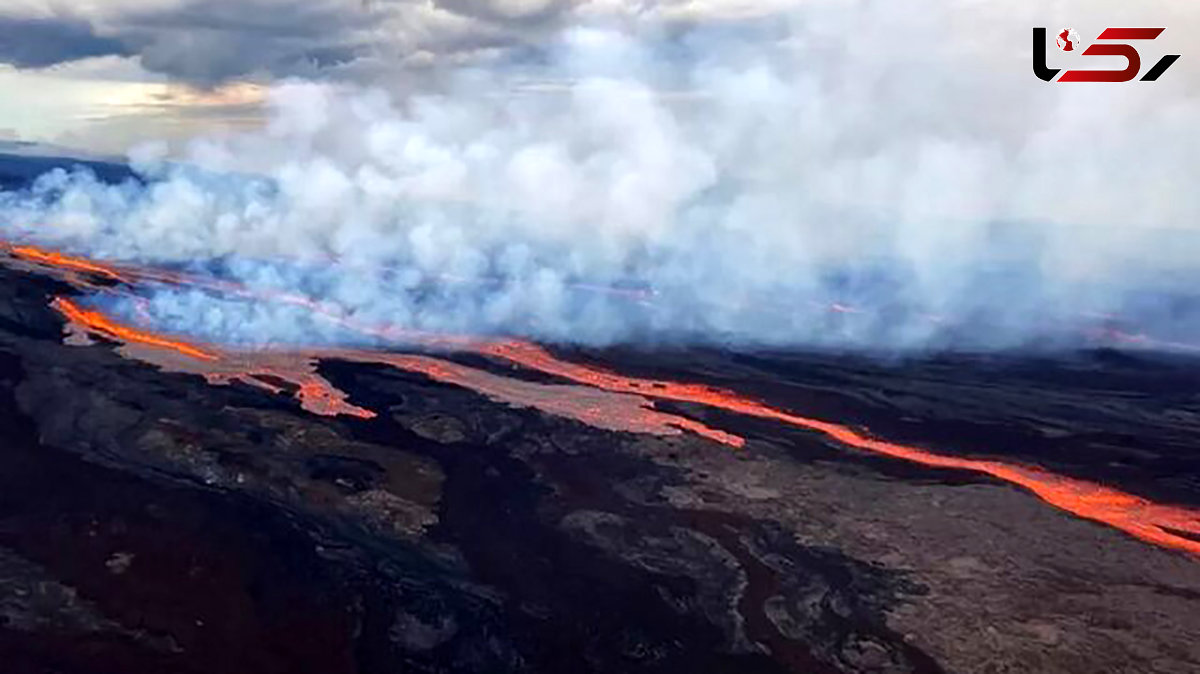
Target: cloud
{"type": "Point", "coordinates": [511, 11]}
{"type": "Point", "coordinates": [202, 42]}
{"type": "Point", "coordinates": [208, 42]}
{"type": "Point", "coordinates": [36, 42]}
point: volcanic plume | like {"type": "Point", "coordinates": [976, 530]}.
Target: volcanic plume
{"type": "Point", "coordinates": [741, 191]}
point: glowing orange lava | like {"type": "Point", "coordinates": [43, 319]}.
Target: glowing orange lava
{"type": "Point", "coordinates": [613, 411]}
{"type": "Point", "coordinates": [55, 259]}
{"type": "Point", "coordinates": [279, 372]}
{"type": "Point", "coordinates": [1139, 517]}
{"type": "Point", "coordinates": [314, 393]}
{"type": "Point", "coordinates": [95, 321]}
{"type": "Point", "coordinates": [1167, 526]}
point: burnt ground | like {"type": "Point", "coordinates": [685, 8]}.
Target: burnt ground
{"type": "Point", "coordinates": [150, 522]}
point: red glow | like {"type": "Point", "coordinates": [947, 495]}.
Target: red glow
{"type": "Point", "coordinates": [1134, 515]}
{"type": "Point", "coordinates": [60, 260]}
{"type": "Point", "coordinates": [612, 411]}
{"type": "Point", "coordinates": [94, 321]}
{"type": "Point", "coordinates": [1164, 525]}
{"type": "Point", "coordinates": [220, 367]}
{"type": "Point", "coordinates": [1144, 340]}
{"type": "Point", "coordinates": [314, 393]}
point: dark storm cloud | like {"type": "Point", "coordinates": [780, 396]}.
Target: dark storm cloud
{"type": "Point", "coordinates": [40, 42]}
{"type": "Point", "coordinates": [213, 41]}
{"type": "Point", "coordinates": [518, 12]}
{"type": "Point", "coordinates": [207, 42]}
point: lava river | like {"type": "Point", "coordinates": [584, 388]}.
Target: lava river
{"type": "Point", "coordinates": [591, 395]}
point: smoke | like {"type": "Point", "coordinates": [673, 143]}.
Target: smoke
{"type": "Point", "coordinates": [852, 175]}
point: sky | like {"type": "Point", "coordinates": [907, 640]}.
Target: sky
{"type": "Point", "coordinates": [103, 75]}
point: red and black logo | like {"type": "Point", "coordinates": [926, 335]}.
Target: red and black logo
{"type": "Point", "coordinates": [1068, 40]}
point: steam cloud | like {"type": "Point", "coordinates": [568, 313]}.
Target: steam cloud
{"type": "Point", "coordinates": [901, 166]}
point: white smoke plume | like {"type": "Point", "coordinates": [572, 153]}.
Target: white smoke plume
{"type": "Point", "coordinates": [863, 175]}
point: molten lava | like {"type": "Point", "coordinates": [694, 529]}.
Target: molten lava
{"type": "Point", "coordinates": [617, 411]}
{"type": "Point", "coordinates": [314, 393]}
{"type": "Point", "coordinates": [1139, 517]}
{"type": "Point", "coordinates": [94, 321]}
{"type": "Point", "coordinates": [279, 372]}
{"type": "Point", "coordinates": [58, 260]}
{"type": "Point", "coordinates": [623, 406]}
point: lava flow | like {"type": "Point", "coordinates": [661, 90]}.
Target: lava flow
{"type": "Point", "coordinates": [56, 260]}
{"type": "Point", "coordinates": [218, 367]}
{"type": "Point", "coordinates": [279, 372]}
{"type": "Point", "coordinates": [95, 321]}
{"type": "Point", "coordinates": [624, 407]}
{"type": "Point", "coordinates": [615, 411]}
{"type": "Point", "coordinates": [1139, 517]}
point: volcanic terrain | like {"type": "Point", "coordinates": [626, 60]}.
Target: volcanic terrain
{"type": "Point", "coordinates": [470, 505]}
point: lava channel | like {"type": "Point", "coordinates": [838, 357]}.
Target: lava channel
{"type": "Point", "coordinates": [62, 262]}
{"type": "Point", "coordinates": [296, 372]}
{"type": "Point", "coordinates": [1164, 525]}
{"type": "Point", "coordinates": [94, 321]}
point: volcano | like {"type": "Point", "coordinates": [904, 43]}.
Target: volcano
{"type": "Point", "coordinates": [454, 503]}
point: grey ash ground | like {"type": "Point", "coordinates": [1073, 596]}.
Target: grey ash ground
{"type": "Point", "coordinates": [150, 522]}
